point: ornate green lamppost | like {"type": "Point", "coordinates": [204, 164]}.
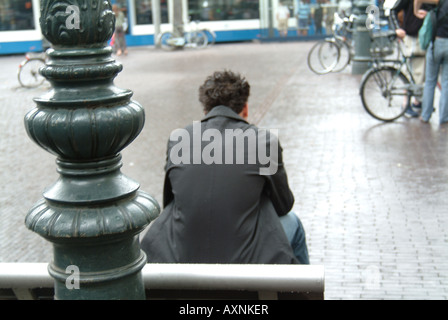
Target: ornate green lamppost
{"type": "Point", "coordinates": [361, 38]}
{"type": "Point", "coordinates": [93, 214]}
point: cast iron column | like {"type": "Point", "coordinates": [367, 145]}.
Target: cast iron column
{"type": "Point", "coordinates": [361, 37]}
{"type": "Point", "coordinates": [93, 214]}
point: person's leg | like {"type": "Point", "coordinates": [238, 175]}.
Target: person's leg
{"type": "Point", "coordinates": [296, 235]}
{"type": "Point", "coordinates": [444, 94]}
{"type": "Point", "coordinates": [410, 49]}
{"type": "Point", "coordinates": [432, 73]}
{"type": "Point", "coordinates": [118, 40]}
{"type": "Point", "coordinates": [418, 64]}
{"type": "Point", "coordinates": [443, 104]}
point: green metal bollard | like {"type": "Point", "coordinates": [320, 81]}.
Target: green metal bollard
{"type": "Point", "coordinates": [361, 38]}
{"type": "Point", "coordinates": [93, 214]}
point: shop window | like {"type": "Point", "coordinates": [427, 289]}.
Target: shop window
{"type": "Point", "coordinates": [219, 10]}
{"type": "Point", "coordinates": [143, 11]}
{"type": "Point", "coordinates": [16, 15]}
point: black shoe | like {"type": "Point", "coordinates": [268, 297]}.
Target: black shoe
{"type": "Point", "coordinates": [410, 113]}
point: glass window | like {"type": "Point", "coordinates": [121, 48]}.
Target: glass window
{"type": "Point", "coordinates": [218, 10]}
{"type": "Point", "coordinates": [16, 15]}
{"type": "Point", "coordinates": [143, 11]}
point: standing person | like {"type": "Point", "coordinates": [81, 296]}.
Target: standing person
{"type": "Point", "coordinates": [303, 17]}
{"type": "Point", "coordinates": [329, 12]}
{"type": "Point", "coordinates": [220, 203]}
{"type": "Point", "coordinates": [408, 32]}
{"type": "Point", "coordinates": [436, 60]}
{"type": "Point", "coordinates": [318, 15]}
{"type": "Point", "coordinates": [283, 18]}
{"type": "Point", "coordinates": [119, 35]}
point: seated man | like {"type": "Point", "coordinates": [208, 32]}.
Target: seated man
{"type": "Point", "coordinates": [223, 193]}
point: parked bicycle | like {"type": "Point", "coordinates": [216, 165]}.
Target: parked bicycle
{"type": "Point", "coordinates": [335, 53]}
{"type": "Point", "coordinates": [388, 87]}
{"type": "Point", "coordinates": [193, 38]}
{"type": "Point", "coordinates": [211, 35]}
{"type": "Point", "coordinates": [28, 73]}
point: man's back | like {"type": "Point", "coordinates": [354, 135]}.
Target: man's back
{"type": "Point", "coordinates": [221, 209]}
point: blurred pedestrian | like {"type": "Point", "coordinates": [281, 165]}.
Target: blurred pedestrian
{"type": "Point", "coordinates": [329, 12]}
{"type": "Point", "coordinates": [303, 17]}
{"type": "Point", "coordinates": [119, 40]}
{"type": "Point", "coordinates": [436, 60]}
{"type": "Point", "coordinates": [283, 16]}
{"type": "Point", "coordinates": [318, 15]}
{"type": "Point", "coordinates": [408, 32]}
{"type": "Point", "coordinates": [220, 207]}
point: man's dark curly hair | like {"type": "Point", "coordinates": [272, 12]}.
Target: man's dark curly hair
{"type": "Point", "coordinates": [224, 88]}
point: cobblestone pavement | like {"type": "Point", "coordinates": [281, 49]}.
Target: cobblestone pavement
{"type": "Point", "coordinates": [372, 196]}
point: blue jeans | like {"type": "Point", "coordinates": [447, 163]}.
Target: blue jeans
{"type": "Point", "coordinates": [436, 60]}
{"type": "Point", "coordinates": [296, 235]}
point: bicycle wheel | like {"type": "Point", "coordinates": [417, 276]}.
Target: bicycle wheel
{"type": "Point", "coordinates": [344, 56]}
{"type": "Point", "coordinates": [29, 75]}
{"type": "Point", "coordinates": [197, 39]}
{"type": "Point", "coordinates": [165, 40]}
{"type": "Point", "coordinates": [384, 93]}
{"type": "Point", "coordinates": [323, 56]}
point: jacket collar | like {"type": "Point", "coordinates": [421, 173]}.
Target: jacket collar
{"type": "Point", "coordinates": [223, 111]}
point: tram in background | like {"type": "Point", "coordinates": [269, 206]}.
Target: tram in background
{"type": "Point", "coordinates": [231, 20]}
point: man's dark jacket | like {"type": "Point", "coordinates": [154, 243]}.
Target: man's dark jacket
{"type": "Point", "coordinates": [221, 213]}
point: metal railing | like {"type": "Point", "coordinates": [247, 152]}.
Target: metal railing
{"type": "Point", "coordinates": [166, 281]}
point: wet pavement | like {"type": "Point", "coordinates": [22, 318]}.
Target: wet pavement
{"type": "Point", "coordinates": [372, 196]}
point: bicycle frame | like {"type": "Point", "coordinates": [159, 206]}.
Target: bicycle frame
{"type": "Point", "coordinates": [402, 66]}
